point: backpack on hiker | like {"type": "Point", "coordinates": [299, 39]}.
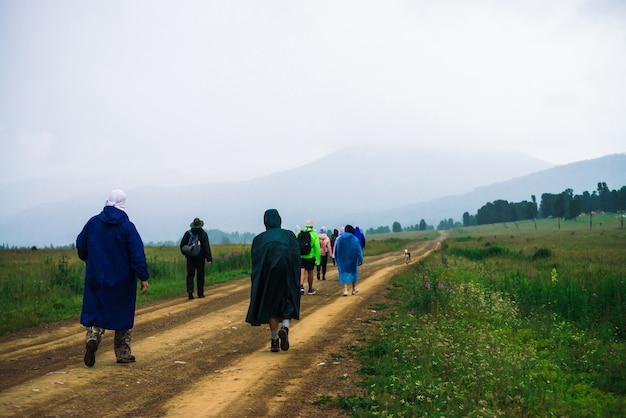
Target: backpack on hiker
{"type": "Point", "coordinates": [193, 246]}
{"type": "Point", "coordinates": [304, 240]}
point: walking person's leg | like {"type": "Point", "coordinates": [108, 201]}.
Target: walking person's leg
{"type": "Point", "coordinates": [121, 345]}
{"type": "Point", "coordinates": [283, 335]}
{"type": "Point", "coordinates": [200, 270]}
{"type": "Point", "coordinates": [355, 289]}
{"type": "Point", "coordinates": [280, 337]}
{"type": "Point", "coordinates": [310, 280]}
{"type": "Point", "coordinates": [92, 341]}
{"type": "Point", "coordinates": [273, 323]}
{"type": "Point", "coordinates": [191, 271]}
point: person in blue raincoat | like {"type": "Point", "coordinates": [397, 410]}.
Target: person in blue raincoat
{"type": "Point", "coordinates": [113, 251]}
{"type": "Point", "coordinates": [349, 256]}
{"type": "Point", "coordinates": [359, 234]}
{"type": "Point", "coordinates": [275, 291]}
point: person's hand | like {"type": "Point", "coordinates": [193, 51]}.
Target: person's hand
{"type": "Point", "coordinates": [208, 263]}
{"type": "Point", "coordinates": [144, 287]}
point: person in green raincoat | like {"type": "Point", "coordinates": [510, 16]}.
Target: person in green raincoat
{"type": "Point", "coordinates": [275, 293]}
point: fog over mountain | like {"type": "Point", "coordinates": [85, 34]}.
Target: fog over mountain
{"type": "Point", "coordinates": [367, 187]}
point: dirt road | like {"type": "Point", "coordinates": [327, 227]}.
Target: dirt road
{"type": "Point", "coordinates": [198, 358]}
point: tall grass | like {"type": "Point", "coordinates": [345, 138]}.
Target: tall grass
{"type": "Point", "coordinates": [529, 323]}
{"type": "Point", "coordinates": [168, 269]}
{"type": "Point", "coordinates": [38, 286]}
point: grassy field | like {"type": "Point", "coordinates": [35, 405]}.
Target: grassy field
{"type": "Point", "coordinates": [506, 320]}
{"type": "Point", "coordinates": [46, 285]}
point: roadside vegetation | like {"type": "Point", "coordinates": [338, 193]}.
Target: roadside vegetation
{"type": "Point", "coordinates": [38, 286]}
{"type": "Point", "coordinates": [505, 320]}
{"type": "Point", "coordinates": [512, 319]}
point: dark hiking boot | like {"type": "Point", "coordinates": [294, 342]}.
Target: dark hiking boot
{"type": "Point", "coordinates": [274, 348]}
{"type": "Point", "coordinates": [190, 295]}
{"type": "Point", "coordinates": [126, 359]}
{"type": "Point", "coordinates": [90, 353]}
{"type": "Point", "coordinates": [283, 335]}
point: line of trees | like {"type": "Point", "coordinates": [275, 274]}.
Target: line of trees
{"type": "Point", "coordinates": [564, 205]}
{"type": "Point", "coordinates": [568, 206]}
{"type": "Point", "coordinates": [447, 224]}
{"type": "Point", "coordinates": [397, 227]}
{"type": "Point", "coordinates": [502, 211]}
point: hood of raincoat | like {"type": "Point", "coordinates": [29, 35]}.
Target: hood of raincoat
{"type": "Point", "coordinates": [271, 219]}
{"type": "Point", "coordinates": [112, 215]}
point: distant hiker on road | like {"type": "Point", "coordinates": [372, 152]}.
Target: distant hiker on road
{"type": "Point", "coordinates": [196, 248]}
{"type": "Point", "coordinates": [325, 250]}
{"type": "Point", "coordinates": [333, 238]}
{"type": "Point", "coordinates": [359, 234]}
{"type": "Point", "coordinates": [341, 230]}
{"type": "Point", "coordinates": [349, 257]}
{"type": "Point", "coordinates": [112, 249]}
{"type": "Point", "coordinates": [309, 254]}
{"type": "Point", "coordinates": [275, 292]}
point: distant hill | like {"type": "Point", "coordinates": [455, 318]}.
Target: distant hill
{"type": "Point", "coordinates": [580, 177]}
{"type": "Point", "coordinates": [366, 187]}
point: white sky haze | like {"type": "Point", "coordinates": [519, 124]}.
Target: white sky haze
{"type": "Point", "coordinates": [246, 88]}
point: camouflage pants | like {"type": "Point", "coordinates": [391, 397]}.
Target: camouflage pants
{"type": "Point", "coordinates": [121, 342]}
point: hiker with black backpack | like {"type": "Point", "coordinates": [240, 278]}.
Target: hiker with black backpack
{"type": "Point", "coordinates": [309, 255]}
{"type": "Point", "coordinates": [196, 248]}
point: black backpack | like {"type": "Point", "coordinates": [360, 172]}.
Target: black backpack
{"type": "Point", "coordinates": [193, 246]}
{"type": "Point", "coordinates": [304, 240]}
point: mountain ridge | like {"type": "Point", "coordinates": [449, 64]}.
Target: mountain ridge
{"type": "Point", "coordinates": [580, 177]}
{"type": "Point", "coordinates": [364, 189]}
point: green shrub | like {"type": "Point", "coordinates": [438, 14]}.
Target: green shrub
{"type": "Point", "coordinates": [542, 253]}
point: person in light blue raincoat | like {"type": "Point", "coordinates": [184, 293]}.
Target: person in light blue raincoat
{"type": "Point", "coordinates": [113, 251]}
{"type": "Point", "coordinates": [348, 256]}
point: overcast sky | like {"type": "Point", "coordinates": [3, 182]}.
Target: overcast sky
{"type": "Point", "coordinates": [243, 88]}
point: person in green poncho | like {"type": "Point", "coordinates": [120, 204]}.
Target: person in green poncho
{"type": "Point", "coordinates": [275, 293]}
